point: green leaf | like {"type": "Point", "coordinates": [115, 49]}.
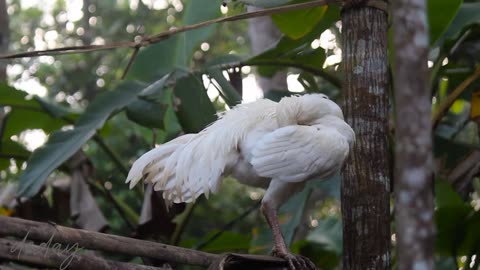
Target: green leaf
{"type": "Point", "coordinates": [62, 145]}
{"type": "Point", "coordinates": [227, 242]}
{"type": "Point", "coordinates": [328, 233]}
{"type": "Point", "coordinates": [31, 112]}
{"type": "Point", "coordinates": [468, 14]}
{"type": "Point", "coordinates": [10, 149]}
{"type": "Point", "coordinates": [307, 58]}
{"type": "Point", "coordinates": [440, 15]}
{"type": "Point", "coordinates": [446, 196]}
{"type": "Point", "coordinates": [159, 59]}
{"type": "Point", "coordinates": [195, 110]}
{"type": "Point", "coordinates": [287, 48]}
{"type": "Point", "coordinates": [13, 97]}
{"type": "Point", "coordinates": [146, 113]}
{"type": "Point", "coordinates": [150, 109]}
{"type": "Point", "coordinates": [295, 206]}
{"type": "Point", "coordinates": [298, 23]}
{"type": "Point", "coordinates": [19, 120]}
{"type": "Point", "coordinates": [264, 3]}
{"type": "Point", "coordinates": [318, 253]}
{"type": "Point", "coordinates": [291, 212]}
{"type": "Point", "coordinates": [56, 110]}
{"type": "Point", "coordinates": [457, 222]}
{"type": "Point", "coordinates": [154, 92]}
{"type": "Point", "coordinates": [225, 60]}
{"type": "Point", "coordinates": [227, 91]}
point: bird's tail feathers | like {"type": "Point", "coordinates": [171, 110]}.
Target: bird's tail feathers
{"type": "Point", "coordinates": [180, 169]}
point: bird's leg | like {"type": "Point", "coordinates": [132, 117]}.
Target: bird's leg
{"type": "Point", "coordinates": [295, 262]}
{"type": "Point", "coordinates": [270, 214]}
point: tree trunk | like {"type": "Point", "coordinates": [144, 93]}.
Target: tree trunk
{"type": "Point", "coordinates": [263, 35]}
{"type": "Point", "coordinates": [414, 203]}
{"type": "Point", "coordinates": [4, 39]}
{"type": "Point", "coordinates": [366, 180]}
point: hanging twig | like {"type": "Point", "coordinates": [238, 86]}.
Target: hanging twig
{"type": "Point", "coordinates": [130, 62]}
{"type": "Point", "coordinates": [167, 34]}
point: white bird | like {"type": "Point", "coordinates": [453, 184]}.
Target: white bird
{"type": "Point", "coordinates": [276, 146]}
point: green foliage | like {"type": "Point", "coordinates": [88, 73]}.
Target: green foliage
{"type": "Point", "coordinates": [176, 51]}
{"type": "Point", "coordinates": [227, 242]}
{"type": "Point", "coordinates": [439, 24]}
{"type": "Point", "coordinates": [229, 94]}
{"type": "Point", "coordinates": [30, 113]}
{"type": "Point", "coordinates": [264, 3]}
{"type": "Point", "coordinates": [468, 14]}
{"type": "Point", "coordinates": [291, 214]}
{"type": "Point", "coordinates": [9, 148]}
{"type": "Point", "coordinates": [83, 104]}
{"type": "Point", "coordinates": [290, 51]}
{"type": "Point", "coordinates": [457, 223]}
{"type": "Point", "coordinates": [63, 144]}
{"type": "Point", "coordinates": [298, 23]}
{"type": "Point", "coordinates": [195, 110]}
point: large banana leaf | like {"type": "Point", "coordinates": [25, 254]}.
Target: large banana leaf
{"type": "Point", "coordinates": [298, 23]}
{"type": "Point", "coordinates": [440, 15]}
{"type": "Point", "coordinates": [63, 144]}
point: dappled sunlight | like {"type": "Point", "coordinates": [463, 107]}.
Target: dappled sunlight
{"type": "Point", "coordinates": [293, 84]}
{"type": "Point", "coordinates": [32, 139]}
{"type": "Point", "coordinates": [251, 90]}
{"type": "Point", "coordinates": [31, 86]}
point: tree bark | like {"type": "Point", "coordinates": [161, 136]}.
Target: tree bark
{"type": "Point", "coordinates": [366, 180]}
{"type": "Point", "coordinates": [4, 38]}
{"type": "Point", "coordinates": [60, 257]}
{"type": "Point", "coordinates": [39, 231]}
{"type": "Point", "coordinates": [414, 203]}
{"type": "Point", "coordinates": [55, 234]}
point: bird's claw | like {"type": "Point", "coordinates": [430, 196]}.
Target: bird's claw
{"type": "Point", "coordinates": [296, 262]}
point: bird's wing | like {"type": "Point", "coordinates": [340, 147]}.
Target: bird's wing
{"type": "Point", "coordinates": [194, 164]}
{"type": "Point", "coordinates": [296, 153]}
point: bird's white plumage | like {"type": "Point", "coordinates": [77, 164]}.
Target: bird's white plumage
{"type": "Point", "coordinates": [290, 141]}
{"type": "Point", "coordinates": [295, 153]}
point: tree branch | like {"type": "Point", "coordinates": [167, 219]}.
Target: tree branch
{"type": "Point", "coordinates": [60, 257]}
{"type": "Point", "coordinates": [39, 231]}
{"type": "Point", "coordinates": [315, 71]}
{"type": "Point", "coordinates": [443, 108]}
{"type": "Point", "coordinates": [146, 41]}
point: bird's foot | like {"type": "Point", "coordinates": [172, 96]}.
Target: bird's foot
{"type": "Point", "coordinates": [295, 262]}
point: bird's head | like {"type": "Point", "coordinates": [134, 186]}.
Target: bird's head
{"type": "Point", "coordinates": [306, 109]}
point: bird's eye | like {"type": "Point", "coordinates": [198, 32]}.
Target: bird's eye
{"type": "Point", "coordinates": [325, 97]}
